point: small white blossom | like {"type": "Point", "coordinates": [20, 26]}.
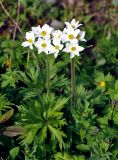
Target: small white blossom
{"type": "Point", "coordinates": [48, 40]}
{"type": "Point", "coordinates": [73, 49]}
{"type": "Point", "coordinates": [57, 46]}
{"type": "Point", "coordinates": [57, 34]}
{"type": "Point", "coordinates": [70, 35]}
{"type": "Point", "coordinates": [45, 31]}
{"type": "Point", "coordinates": [73, 24]}
{"type": "Point", "coordinates": [43, 46]}
{"type": "Point", "coordinates": [30, 40]}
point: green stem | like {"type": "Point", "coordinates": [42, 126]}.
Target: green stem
{"type": "Point", "coordinates": [48, 74]}
{"type": "Point", "coordinates": [73, 92]}
{"type": "Point", "coordinates": [28, 55]}
{"type": "Point", "coordinates": [113, 111]}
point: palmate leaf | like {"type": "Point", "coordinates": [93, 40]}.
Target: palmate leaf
{"type": "Point", "coordinates": [99, 76]}
{"type": "Point", "coordinates": [4, 103]}
{"type": "Point", "coordinates": [57, 134]}
{"type": "Point", "coordinates": [43, 134]}
{"type": "Point", "coordinates": [32, 77]}
{"type": "Point", "coordinates": [29, 134]}
{"type": "Point", "coordinates": [14, 152]}
{"type": "Point", "coordinates": [42, 117]}
{"type": "Point", "coordinates": [83, 147]}
{"type": "Point", "coordinates": [67, 156]}
{"type": "Point", "coordinates": [62, 156]}
{"type": "Point", "coordinates": [113, 91]}
{"type": "Point", "coordinates": [29, 93]}
{"type": "Point", "coordinates": [9, 78]}
{"type": "Point", "coordinates": [82, 93]}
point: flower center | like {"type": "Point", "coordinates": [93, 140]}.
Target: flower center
{"type": "Point", "coordinates": [30, 40]}
{"type": "Point", "coordinates": [71, 36]}
{"type": "Point", "coordinates": [73, 26]}
{"type": "Point", "coordinates": [58, 36]}
{"type": "Point", "coordinates": [44, 33]}
{"type": "Point", "coordinates": [44, 45]}
{"type": "Point", "coordinates": [73, 48]}
{"type": "Point", "coordinates": [57, 47]}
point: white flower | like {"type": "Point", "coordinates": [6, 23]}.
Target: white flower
{"type": "Point", "coordinates": [70, 35]}
{"type": "Point", "coordinates": [36, 31]}
{"type": "Point", "coordinates": [45, 31]}
{"type": "Point", "coordinates": [73, 24]}
{"type": "Point", "coordinates": [56, 34]}
{"type": "Point", "coordinates": [57, 47]}
{"type": "Point", "coordinates": [30, 40]}
{"type": "Point", "coordinates": [73, 49]}
{"type": "Point", "coordinates": [81, 36]}
{"type": "Point", "coordinates": [43, 46]}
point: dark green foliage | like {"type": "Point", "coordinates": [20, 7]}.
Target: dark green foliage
{"type": "Point", "coordinates": [45, 116]}
{"type": "Point", "coordinates": [36, 125]}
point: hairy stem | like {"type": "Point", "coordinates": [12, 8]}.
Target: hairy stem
{"type": "Point", "coordinates": [48, 74]}
{"type": "Point", "coordinates": [73, 92]}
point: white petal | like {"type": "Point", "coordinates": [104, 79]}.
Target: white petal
{"type": "Point", "coordinates": [71, 55]}
{"type": "Point", "coordinates": [67, 23]}
{"type": "Point", "coordinates": [61, 46]}
{"type": "Point", "coordinates": [56, 54]}
{"type": "Point", "coordinates": [73, 21]}
{"type": "Point", "coordinates": [77, 53]}
{"type": "Point", "coordinates": [25, 44]}
{"type": "Point", "coordinates": [80, 48]}
{"type": "Point", "coordinates": [37, 44]}
{"type": "Point", "coordinates": [80, 25]}
{"type": "Point", "coordinates": [47, 37]}
{"type": "Point", "coordinates": [82, 34]}
{"type": "Point", "coordinates": [28, 35]}
{"type": "Point", "coordinates": [31, 47]}
{"type": "Point", "coordinates": [77, 31]}
{"type": "Point", "coordinates": [83, 40]}
{"type": "Point", "coordinates": [47, 28]}
{"type": "Point", "coordinates": [74, 41]}
{"type": "Point", "coordinates": [56, 41]}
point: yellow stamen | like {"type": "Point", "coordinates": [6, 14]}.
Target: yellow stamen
{"type": "Point", "coordinates": [30, 40]}
{"type": "Point", "coordinates": [44, 45]}
{"type": "Point", "coordinates": [57, 47]}
{"type": "Point", "coordinates": [58, 36]}
{"type": "Point", "coordinates": [44, 33]}
{"type": "Point", "coordinates": [73, 26]}
{"type": "Point", "coordinates": [71, 36]}
{"type": "Point", "coordinates": [102, 84]}
{"type": "Point", "coordinates": [73, 48]}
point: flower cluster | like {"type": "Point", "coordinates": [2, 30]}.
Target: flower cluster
{"type": "Point", "coordinates": [51, 41]}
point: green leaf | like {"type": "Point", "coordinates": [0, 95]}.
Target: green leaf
{"type": "Point", "coordinates": [14, 152]}
{"type": "Point", "coordinates": [83, 147]}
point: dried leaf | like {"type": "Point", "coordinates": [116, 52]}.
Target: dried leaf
{"type": "Point", "coordinates": [13, 131]}
{"type": "Point", "coordinates": [6, 116]}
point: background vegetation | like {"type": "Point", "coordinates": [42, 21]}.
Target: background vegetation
{"type": "Point", "coordinates": [37, 126]}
